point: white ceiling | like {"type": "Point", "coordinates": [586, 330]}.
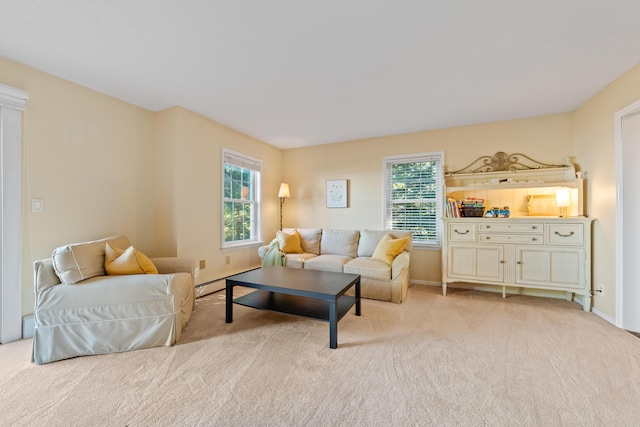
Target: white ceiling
{"type": "Point", "coordinates": [302, 72]}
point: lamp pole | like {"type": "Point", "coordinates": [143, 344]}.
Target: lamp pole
{"type": "Point", "coordinates": [283, 194]}
{"type": "Point", "coordinates": [281, 203]}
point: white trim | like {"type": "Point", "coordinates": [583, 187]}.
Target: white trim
{"type": "Point", "coordinates": [619, 116]}
{"type": "Point", "coordinates": [255, 165]}
{"type": "Point", "coordinates": [604, 316]}
{"type": "Point", "coordinates": [12, 103]}
{"type": "Point", "coordinates": [13, 97]}
{"type": "Point", "coordinates": [424, 156]}
{"type": "Point", "coordinates": [425, 283]}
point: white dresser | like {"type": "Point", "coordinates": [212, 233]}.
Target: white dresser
{"type": "Point", "coordinates": [538, 246]}
{"type": "Point", "coordinates": [528, 252]}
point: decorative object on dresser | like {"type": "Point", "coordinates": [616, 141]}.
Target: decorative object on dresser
{"type": "Point", "coordinates": [529, 247]}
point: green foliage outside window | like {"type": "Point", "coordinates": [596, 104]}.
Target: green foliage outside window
{"type": "Point", "coordinates": [414, 199]}
{"type": "Point", "coordinates": [239, 203]}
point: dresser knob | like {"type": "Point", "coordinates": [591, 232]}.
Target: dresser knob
{"type": "Point", "coordinates": [564, 235]}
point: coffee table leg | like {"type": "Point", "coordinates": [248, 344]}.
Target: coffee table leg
{"type": "Point", "coordinates": [358, 297]}
{"type": "Point", "coordinates": [333, 325]}
{"type": "Point", "coordinates": [229, 303]}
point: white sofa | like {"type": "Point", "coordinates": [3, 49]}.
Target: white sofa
{"type": "Point", "coordinates": [80, 310]}
{"type": "Point", "coordinates": [350, 251]}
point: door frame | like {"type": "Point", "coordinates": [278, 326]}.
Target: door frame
{"type": "Point", "coordinates": [12, 104]}
{"type": "Point", "coordinates": [619, 117]}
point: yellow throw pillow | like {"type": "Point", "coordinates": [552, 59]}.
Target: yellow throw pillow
{"type": "Point", "coordinates": [389, 248]}
{"type": "Point", "coordinates": [289, 242]}
{"type": "Point", "coordinates": [128, 261]}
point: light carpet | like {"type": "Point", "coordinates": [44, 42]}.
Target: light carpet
{"type": "Point", "coordinates": [470, 358]}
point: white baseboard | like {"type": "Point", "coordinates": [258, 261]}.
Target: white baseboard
{"type": "Point", "coordinates": [426, 283]}
{"type": "Point", "coordinates": [209, 288]}
{"type": "Point", "coordinates": [604, 316]}
{"type": "Point", "coordinates": [579, 299]}
{"type": "Point", "coordinates": [28, 326]}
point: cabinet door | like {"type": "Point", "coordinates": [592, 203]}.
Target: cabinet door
{"type": "Point", "coordinates": [550, 266]}
{"type": "Point", "coordinates": [477, 262]}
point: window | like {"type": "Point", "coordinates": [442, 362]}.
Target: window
{"type": "Point", "coordinates": [413, 195]}
{"type": "Point", "coordinates": [241, 199]}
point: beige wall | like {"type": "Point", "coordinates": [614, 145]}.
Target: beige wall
{"type": "Point", "coordinates": [90, 157]}
{"type": "Point", "coordinates": [547, 138]}
{"type": "Point", "coordinates": [595, 146]}
{"type": "Point", "coordinates": [189, 190]}
{"type": "Point", "coordinates": [104, 166]}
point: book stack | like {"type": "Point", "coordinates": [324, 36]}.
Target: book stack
{"type": "Point", "coordinates": [472, 207]}
{"type": "Point", "coordinates": [453, 209]}
{"type": "Point", "coordinates": [469, 207]}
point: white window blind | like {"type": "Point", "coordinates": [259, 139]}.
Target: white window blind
{"type": "Point", "coordinates": [413, 195]}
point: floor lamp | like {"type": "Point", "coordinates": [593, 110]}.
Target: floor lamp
{"type": "Point", "coordinates": [283, 194]}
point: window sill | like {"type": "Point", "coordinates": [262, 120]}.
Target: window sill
{"type": "Point", "coordinates": [425, 247]}
{"type": "Point", "coordinates": [244, 245]}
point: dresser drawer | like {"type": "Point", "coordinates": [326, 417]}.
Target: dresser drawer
{"type": "Point", "coordinates": [503, 227]}
{"type": "Point", "coordinates": [565, 234]}
{"type": "Point", "coordinates": [462, 232]}
{"type": "Point", "coordinates": [522, 239]}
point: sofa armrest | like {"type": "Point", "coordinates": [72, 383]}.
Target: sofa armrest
{"type": "Point", "coordinates": [44, 275]}
{"type": "Point", "coordinates": [169, 265]}
{"type": "Point", "coordinates": [400, 264]}
{"type": "Point", "coordinates": [262, 251]}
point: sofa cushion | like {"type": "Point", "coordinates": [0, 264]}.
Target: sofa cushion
{"type": "Point", "coordinates": [340, 242]}
{"type": "Point", "coordinates": [369, 240]}
{"type": "Point", "coordinates": [128, 261]}
{"type": "Point", "coordinates": [369, 268]}
{"type": "Point", "coordinates": [309, 239]}
{"type": "Point", "coordinates": [327, 263]}
{"type": "Point", "coordinates": [289, 242]}
{"type": "Point", "coordinates": [388, 248]}
{"type": "Point", "coordinates": [79, 261]}
{"type": "Point", "coordinates": [298, 260]}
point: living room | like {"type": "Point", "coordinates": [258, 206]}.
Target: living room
{"type": "Point", "coordinates": [104, 166]}
{"type": "Point", "coordinates": [147, 160]}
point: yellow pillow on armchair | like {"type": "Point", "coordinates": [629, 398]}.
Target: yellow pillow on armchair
{"type": "Point", "coordinates": [128, 261]}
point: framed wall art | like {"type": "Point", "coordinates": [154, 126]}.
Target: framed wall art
{"type": "Point", "coordinates": [337, 193]}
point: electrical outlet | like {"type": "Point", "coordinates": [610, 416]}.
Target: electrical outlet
{"type": "Point", "coordinates": [227, 259]}
{"type": "Point", "coordinates": [203, 264]}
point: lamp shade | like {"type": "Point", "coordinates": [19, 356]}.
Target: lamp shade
{"type": "Point", "coordinates": [284, 191]}
{"type": "Point", "coordinates": [562, 197]}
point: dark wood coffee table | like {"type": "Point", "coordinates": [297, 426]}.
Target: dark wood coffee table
{"type": "Point", "coordinates": [309, 293]}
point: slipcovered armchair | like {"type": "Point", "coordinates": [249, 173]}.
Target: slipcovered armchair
{"type": "Point", "coordinates": [81, 310]}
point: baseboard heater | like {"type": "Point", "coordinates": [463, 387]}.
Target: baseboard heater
{"type": "Point", "coordinates": [215, 285]}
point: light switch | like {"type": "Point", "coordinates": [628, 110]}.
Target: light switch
{"type": "Point", "coordinates": [37, 205]}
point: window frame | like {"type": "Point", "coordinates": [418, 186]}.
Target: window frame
{"type": "Point", "coordinates": [255, 166]}
{"type": "Point", "coordinates": [387, 163]}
